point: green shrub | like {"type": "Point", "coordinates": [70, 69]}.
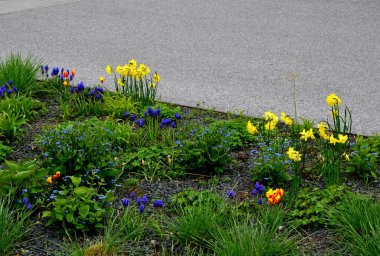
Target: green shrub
{"type": "Point", "coordinates": [22, 71]}
{"type": "Point", "coordinates": [271, 162]}
{"type": "Point", "coordinates": [365, 157]}
{"type": "Point", "coordinates": [75, 147]}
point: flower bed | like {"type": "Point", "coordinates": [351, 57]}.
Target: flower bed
{"type": "Point", "coordinates": [87, 171]}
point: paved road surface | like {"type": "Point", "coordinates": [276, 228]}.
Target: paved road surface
{"type": "Point", "coordinates": [230, 55]}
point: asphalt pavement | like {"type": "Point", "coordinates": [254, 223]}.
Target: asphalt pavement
{"type": "Point", "coordinates": [228, 55]}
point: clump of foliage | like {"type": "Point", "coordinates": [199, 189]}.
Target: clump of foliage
{"type": "Point", "coordinates": [365, 157]}
{"type": "Point", "coordinates": [312, 206]}
{"type": "Point", "coordinates": [357, 221]}
{"type": "Point", "coordinates": [21, 71]}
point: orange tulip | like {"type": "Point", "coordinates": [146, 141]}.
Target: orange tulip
{"type": "Point", "coordinates": [73, 72]}
{"type": "Point", "coordinates": [57, 175]}
{"type": "Point", "coordinates": [65, 73]}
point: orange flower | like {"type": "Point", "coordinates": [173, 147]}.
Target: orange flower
{"type": "Point", "coordinates": [73, 72]}
{"type": "Point", "coordinates": [274, 196]}
{"type": "Point", "coordinates": [49, 180]}
{"type": "Point", "coordinates": [57, 175]}
{"type": "Point", "coordinates": [65, 73]}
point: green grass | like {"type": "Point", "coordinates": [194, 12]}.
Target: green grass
{"type": "Point", "coordinates": [22, 71]}
{"type": "Point", "coordinates": [13, 226]}
{"type": "Point", "coordinates": [357, 220]}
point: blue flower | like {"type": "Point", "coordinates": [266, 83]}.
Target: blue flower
{"type": "Point", "coordinates": [254, 192]}
{"type": "Point", "coordinates": [145, 200]}
{"type": "Point", "coordinates": [72, 89]}
{"type": "Point", "coordinates": [132, 195]}
{"type": "Point", "coordinates": [15, 89]}
{"type": "Point", "coordinates": [10, 82]}
{"type": "Point", "coordinates": [125, 202]}
{"type": "Point", "coordinates": [140, 122]}
{"type": "Point", "coordinates": [80, 87]}
{"type": "Point", "coordinates": [126, 114]}
{"type": "Point", "coordinates": [91, 93]}
{"type": "Point", "coordinates": [260, 201]}
{"type": "Point", "coordinates": [231, 194]}
{"type": "Point", "coordinates": [138, 200]}
{"type": "Point", "coordinates": [158, 203]}
{"type": "Point", "coordinates": [166, 121]}
{"type": "Point", "coordinates": [28, 206]}
{"type": "Point", "coordinates": [173, 125]}
{"type": "Point", "coordinates": [46, 68]}
{"type": "Point", "coordinates": [151, 111]}
{"type": "Point", "coordinates": [177, 116]}
{"type": "Point", "coordinates": [98, 96]}
{"type": "Point", "coordinates": [142, 208]}
{"type": "Point", "coordinates": [25, 190]}
{"type": "Point", "coordinates": [25, 200]}
{"type": "Point", "coordinates": [52, 196]}
{"type": "Point", "coordinates": [261, 189]}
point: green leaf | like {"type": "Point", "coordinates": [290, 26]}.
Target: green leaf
{"type": "Point", "coordinates": [76, 180]}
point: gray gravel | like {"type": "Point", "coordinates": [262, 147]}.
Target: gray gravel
{"type": "Point", "coordinates": [229, 55]}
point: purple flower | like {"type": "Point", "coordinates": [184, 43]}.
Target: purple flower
{"type": "Point", "coordinates": [99, 89]}
{"type": "Point", "coordinates": [46, 68]}
{"type": "Point", "coordinates": [260, 201]}
{"type": "Point", "coordinates": [173, 125]}
{"type": "Point", "coordinates": [125, 202]}
{"type": "Point", "coordinates": [72, 89]}
{"type": "Point", "coordinates": [133, 117]}
{"type": "Point", "coordinates": [158, 203]}
{"type": "Point", "coordinates": [158, 111]}
{"type": "Point", "coordinates": [132, 195]}
{"type": "Point", "coordinates": [14, 89]}
{"type": "Point", "coordinates": [257, 185]}
{"type": "Point", "coordinates": [166, 121]}
{"type": "Point", "coordinates": [80, 87]}
{"type": "Point", "coordinates": [138, 200]}
{"type": "Point", "coordinates": [140, 122]}
{"type": "Point", "coordinates": [254, 192]}
{"type": "Point", "coordinates": [10, 82]}
{"type": "Point", "coordinates": [177, 116]}
{"type": "Point", "coordinates": [10, 91]}
{"type": "Point", "coordinates": [25, 200]}
{"type": "Point", "coordinates": [98, 96]}
{"type": "Point", "coordinates": [145, 200]}
{"type": "Point", "coordinates": [142, 208]}
{"type": "Point", "coordinates": [261, 189]}
{"type": "Point", "coordinates": [146, 113]}
{"type": "Point", "coordinates": [231, 194]}
{"type": "Point", "coordinates": [126, 114]}
{"type": "Point", "coordinates": [91, 93]}
{"type": "Point", "coordinates": [28, 206]}
{"type": "Point", "coordinates": [151, 111]}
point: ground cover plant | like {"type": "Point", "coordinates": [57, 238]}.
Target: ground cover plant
{"type": "Point", "coordinates": [88, 171]}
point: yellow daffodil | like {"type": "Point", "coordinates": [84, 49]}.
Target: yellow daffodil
{"type": "Point", "coordinates": [333, 140]}
{"type": "Point", "coordinates": [287, 120]}
{"type": "Point", "coordinates": [156, 77]}
{"type": "Point", "coordinates": [305, 135]}
{"type": "Point", "coordinates": [152, 85]}
{"type": "Point", "coordinates": [346, 156]}
{"type": "Point", "coordinates": [143, 70]}
{"type": "Point", "coordinates": [269, 116]}
{"type": "Point", "coordinates": [294, 154]}
{"type": "Point", "coordinates": [109, 70]}
{"type": "Point", "coordinates": [322, 131]}
{"type": "Point", "coordinates": [132, 63]}
{"type": "Point", "coordinates": [342, 138]}
{"type": "Point", "coordinates": [49, 180]}
{"type": "Point", "coordinates": [251, 128]}
{"type": "Point", "coordinates": [101, 79]}
{"type": "Point", "coordinates": [120, 82]}
{"type": "Point", "coordinates": [269, 126]}
{"type": "Point", "coordinates": [333, 100]}
{"type": "Point", "coordinates": [119, 69]}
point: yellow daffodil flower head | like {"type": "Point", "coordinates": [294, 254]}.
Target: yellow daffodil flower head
{"type": "Point", "coordinates": [49, 180]}
{"type": "Point", "coordinates": [333, 100]}
{"type": "Point", "coordinates": [269, 116]}
{"type": "Point", "coordinates": [143, 70]}
{"type": "Point", "coordinates": [305, 135]}
{"type": "Point", "coordinates": [101, 79]}
{"type": "Point", "coordinates": [132, 63]}
{"type": "Point", "coordinates": [156, 78]}
{"type": "Point", "coordinates": [342, 138]}
{"type": "Point", "coordinates": [119, 69]}
{"type": "Point", "coordinates": [333, 140]}
{"type": "Point", "coordinates": [251, 128]}
{"type": "Point", "coordinates": [152, 85]}
{"type": "Point", "coordinates": [120, 82]}
{"type": "Point", "coordinates": [109, 70]}
{"type": "Point", "coordinates": [269, 126]}
{"type": "Point", "coordinates": [287, 120]}
{"type": "Point", "coordinates": [322, 131]}
{"type": "Point", "coordinates": [346, 156]}
{"type": "Point", "coordinates": [294, 154]}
